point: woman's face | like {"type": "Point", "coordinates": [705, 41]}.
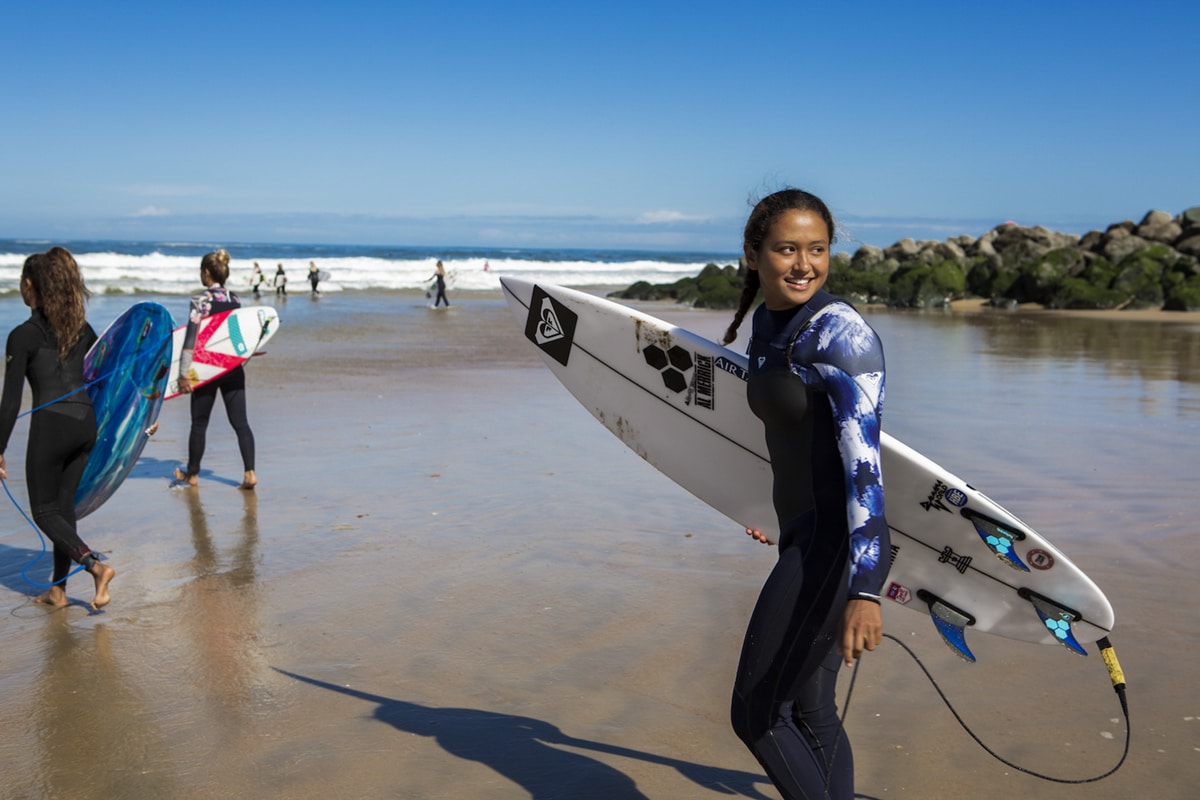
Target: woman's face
{"type": "Point", "coordinates": [793, 260]}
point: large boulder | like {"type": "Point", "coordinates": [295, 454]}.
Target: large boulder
{"type": "Point", "coordinates": [1158, 226]}
{"type": "Point", "coordinates": [1184, 295]}
{"type": "Point", "coordinates": [902, 250]}
{"type": "Point", "coordinates": [1189, 242]}
{"type": "Point", "coordinates": [1092, 240]}
{"type": "Point", "coordinates": [1120, 242]}
{"type": "Point", "coordinates": [1017, 245]}
{"type": "Point", "coordinates": [866, 256]}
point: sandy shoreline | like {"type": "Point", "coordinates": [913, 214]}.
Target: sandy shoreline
{"type": "Point", "coordinates": [978, 304]}
{"type": "Point", "coordinates": [453, 583]}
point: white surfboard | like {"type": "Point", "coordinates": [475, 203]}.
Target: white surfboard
{"type": "Point", "coordinates": [679, 401]}
{"type": "Point", "coordinates": [225, 341]}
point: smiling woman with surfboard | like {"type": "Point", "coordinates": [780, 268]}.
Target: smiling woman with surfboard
{"type": "Point", "coordinates": [49, 350]}
{"type": "Point", "coordinates": [214, 271]}
{"type": "Point", "coordinates": [816, 381]}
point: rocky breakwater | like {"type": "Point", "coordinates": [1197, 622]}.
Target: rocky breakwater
{"type": "Point", "coordinates": [1154, 263]}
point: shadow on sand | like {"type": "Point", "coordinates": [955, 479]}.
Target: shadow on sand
{"type": "Point", "coordinates": [528, 751]}
{"type": "Point", "coordinates": [159, 468]}
{"type": "Point", "coordinates": [27, 572]}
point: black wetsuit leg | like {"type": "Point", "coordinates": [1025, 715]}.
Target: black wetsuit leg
{"type": "Point", "coordinates": [203, 400]}
{"type": "Point", "coordinates": [232, 387]}
{"type": "Point", "coordinates": [233, 394]}
{"type": "Point", "coordinates": [783, 705]}
{"type": "Point", "coordinates": [55, 458]}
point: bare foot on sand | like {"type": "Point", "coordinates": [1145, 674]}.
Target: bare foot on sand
{"type": "Point", "coordinates": [250, 481]}
{"type": "Point", "coordinates": [102, 574]}
{"type": "Point", "coordinates": [56, 597]}
{"type": "Point", "coordinates": [183, 477]}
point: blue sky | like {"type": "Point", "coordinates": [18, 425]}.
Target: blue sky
{"type": "Point", "coordinates": [641, 125]}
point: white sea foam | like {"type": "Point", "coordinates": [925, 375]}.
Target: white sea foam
{"type": "Point", "coordinates": [155, 272]}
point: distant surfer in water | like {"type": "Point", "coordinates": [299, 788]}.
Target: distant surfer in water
{"type": "Point", "coordinates": [280, 281]}
{"type": "Point", "coordinates": [816, 381]}
{"type": "Point", "coordinates": [314, 276]}
{"type": "Point", "coordinates": [48, 349]}
{"type": "Point", "coordinates": [440, 274]}
{"type": "Point", "coordinates": [214, 271]}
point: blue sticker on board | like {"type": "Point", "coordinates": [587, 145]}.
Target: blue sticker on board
{"type": "Point", "coordinates": [235, 335]}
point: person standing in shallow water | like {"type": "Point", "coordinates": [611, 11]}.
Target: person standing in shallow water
{"type": "Point", "coordinates": [48, 349]}
{"type": "Point", "coordinates": [214, 271]}
{"type": "Point", "coordinates": [256, 281]}
{"type": "Point", "coordinates": [279, 281]}
{"type": "Point", "coordinates": [314, 276]}
{"type": "Point", "coordinates": [440, 274]}
{"type": "Point", "coordinates": [817, 383]}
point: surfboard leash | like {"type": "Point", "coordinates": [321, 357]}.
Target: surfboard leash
{"type": "Point", "coordinates": [42, 539]}
{"type": "Point", "coordinates": [1107, 653]}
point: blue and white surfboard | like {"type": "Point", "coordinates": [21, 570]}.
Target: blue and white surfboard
{"type": "Point", "coordinates": [131, 359]}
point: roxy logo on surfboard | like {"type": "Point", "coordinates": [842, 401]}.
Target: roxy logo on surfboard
{"type": "Point", "coordinates": [550, 325]}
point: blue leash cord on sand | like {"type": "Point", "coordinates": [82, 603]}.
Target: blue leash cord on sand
{"type": "Point", "coordinates": [42, 539]}
{"type": "Point", "coordinates": [17, 505]}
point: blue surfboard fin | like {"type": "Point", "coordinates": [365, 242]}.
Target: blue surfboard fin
{"type": "Point", "coordinates": [999, 538]}
{"type": "Point", "coordinates": [951, 623]}
{"type": "Point", "coordinates": [1057, 619]}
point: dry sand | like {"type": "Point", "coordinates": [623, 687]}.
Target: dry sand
{"type": "Point", "coordinates": [453, 583]}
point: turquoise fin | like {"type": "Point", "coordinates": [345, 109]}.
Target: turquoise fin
{"type": "Point", "coordinates": [1057, 619]}
{"type": "Point", "coordinates": [999, 538]}
{"type": "Point", "coordinates": [951, 623]}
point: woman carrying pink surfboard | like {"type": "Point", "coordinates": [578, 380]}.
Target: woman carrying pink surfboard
{"type": "Point", "coordinates": [214, 271]}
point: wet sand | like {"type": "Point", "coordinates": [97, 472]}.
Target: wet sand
{"type": "Point", "coordinates": [453, 583]}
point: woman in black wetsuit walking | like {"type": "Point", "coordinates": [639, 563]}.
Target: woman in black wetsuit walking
{"type": "Point", "coordinates": [214, 271]}
{"type": "Point", "coordinates": [48, 349]}
{"type": "Point", "coordinates": [816, 381]}
{"type": "Point", "coordinates": [439, 273]}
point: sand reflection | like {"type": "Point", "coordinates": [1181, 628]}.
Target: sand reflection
{"type": "Point", "coordinates": [222, 601]}
{"type": "Point", "coordinates": [86, 709]}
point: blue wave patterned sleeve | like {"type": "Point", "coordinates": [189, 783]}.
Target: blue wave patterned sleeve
{"type": "Point", "coordinates": [848, 367]}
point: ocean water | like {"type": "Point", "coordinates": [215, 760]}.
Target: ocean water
{"type": "Point", "coordinates": [171, 267]}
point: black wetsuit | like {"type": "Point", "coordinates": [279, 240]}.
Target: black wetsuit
{"type": "Point", "coordinates": [231, 385]}
{"type": "Point", "coordinates": [61, 435]}
{"type": "Point", "coordinates": [816, 381]}
{"type": "Point", "coordinates": [441, 291]}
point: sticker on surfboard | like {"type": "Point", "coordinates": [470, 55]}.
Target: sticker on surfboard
{"type": "Point", "coordinates": [551, 326]}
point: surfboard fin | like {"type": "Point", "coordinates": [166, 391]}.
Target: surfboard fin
{"type": "Point", "coordinates": [951, 623]}
{"type": "Point", "coordinates": [998, 537]}
{"type": "Point", "coordinates": [1056, 618]}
